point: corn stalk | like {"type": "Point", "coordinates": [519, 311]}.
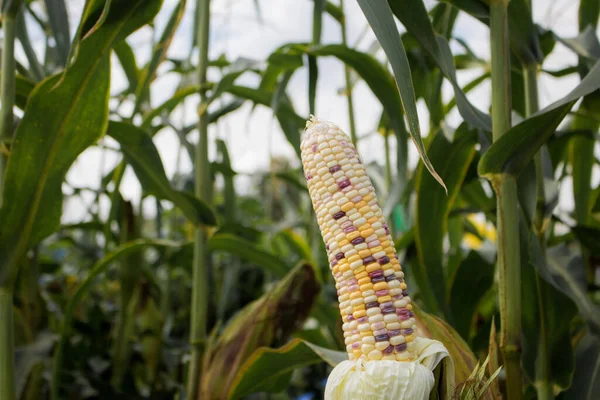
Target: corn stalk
{"type": "Point", "coordinates": [509, 268]}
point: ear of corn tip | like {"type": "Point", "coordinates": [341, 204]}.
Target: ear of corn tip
{"type": "Point", "coordinates": [376, 309]}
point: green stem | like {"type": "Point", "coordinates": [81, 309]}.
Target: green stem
{"type": "Point", "coordinates": [199, 307]}
{"type": "Point", "coordinates": [509, 259]}
{"type": "Point", "coordinates": [7, 91]}
{"type": "Point", "coordinates": [7, 345]}
{"type": "Point", "coordinates": [543, 375]}
{"type": "Point", "coordinates": [129, 275]}
{"type": "Point", "coordinates": [352, 119]}
{"type": "Point", "coordinates": [388, 162]}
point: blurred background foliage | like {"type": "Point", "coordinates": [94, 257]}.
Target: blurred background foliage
{"type": "Point", "coordinates": [101, 304]}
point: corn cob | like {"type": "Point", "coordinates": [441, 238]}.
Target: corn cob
{"type": "Point", "coordinates": [376, 309]}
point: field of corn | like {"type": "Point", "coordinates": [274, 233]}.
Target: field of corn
{"type": "Point", "coordinates": [296, 199]}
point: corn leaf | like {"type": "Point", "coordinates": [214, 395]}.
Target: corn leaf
{"type": "Point", "coordinates": [73, 115]}
{"type": "Point", "coordinates": [142, 155]}
{"type": "Point", "coordinates": [264, 322]}
{"type": "Point", "coordinates": [84, 288]}
{"type": "Point", "coordinates": [566, 272]}
{"type": "Point", "coordinates": [414, 17]}
{"type": "Point", "coordinates": [158, 54]}
{"type": "Point", "coordinates": [546, 315]}
{"type": "Point", "coordinates": [451, 159]}
{"type": "Point", "coordinates": [126, 58]}
{"type": "Point", "coordinates": [516, 148]}
{"type": "Point", "coordinates": [586, 381]}
{"type": "Point", "coordinates": [245, 249]}
{"type": "Point", "coordinates": [473, 280]}
{"type": "Point", "coordinates": [270, 370]}
{"type": "Point", "coordinates": [380, 18]}
{"type": "Point", "coordinates": [463, 358]}
{"type": "Point", "coordinates": [59, 22]}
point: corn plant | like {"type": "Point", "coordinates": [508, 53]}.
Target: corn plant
{"type": "Point", "coordinates": [197, 288]}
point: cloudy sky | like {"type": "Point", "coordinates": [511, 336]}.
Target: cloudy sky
{"type": "Point", "coordinates": [237, 31]}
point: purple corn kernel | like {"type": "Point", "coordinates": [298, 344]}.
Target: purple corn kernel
{"type": "Point", "coordinates": [335, 168]}
{"type": "Point", "coordinates": [411, 314]}
{"type": "Point", "coordinates": [357, 199]}
{"type": "Point", "coordinates": [368, 260]}
{"type": "Point", "coordinates": [351, 317]}
{"type": "Point", "coordinates": [374, 243]}
{"type": "Point", "coordinates": [344, 184]}
{"type": "Point", "coordinates": [396, 255]}
{"type": "Point", "coordinates": [405, 293]}
{"type": "Point", "coordinates": [333, 263]}
{"type": "Point", "coordinates": [389, 310]}
{"type": "Point", "coordinates": [355, 345]}
{"type": "Point", "coordinates": [402, 311]}
{"type": "Point", "coordinates": [327, 247]}
{"type": "Point", "coordinates": [362, 320]}
{"type": "Point", "coordinates": [397, 297]}
{"type": "Point", "coordinates": [375, 274]}
{"type": "Point", "coordinates": [377, 279]}
{"type": "Point", "coordinates": [381, 292]}
{"type": "Point", "coordinates": [339, 256]}
{"type": "Point", "coordinates": [404, 317]}
{"type": "Point", "coordinates": [383, 260]}
{"type": "Point", "coordinates": [314, 148]}
{"type": "Point", "coordinates": [343, 143]}
{"type": "Point", "coordinates": [346, 224]}
{"type": "Point", "coordinates": [400, 348]}
{"type": "Point", "coordinates": [407, 332]}
{"type": "Point", "coordinates": [372, 305]}
{"type": "Point", "coordinates": [387, 304]}
{"type": "Point", "coordinates": [358, 240]}
{"type": "Point", "coordinates": [381, 338]}
{"type": "Point", "coordinates": [349, 229]}
{"type": "Point", "coordinates": [394, 332]}
{"type": "Point", "coordinates": [388, 350]}
{"type": "Point", "coordinates": [339, 215]}
{"type": "Point", "coordinates": [390, 278]}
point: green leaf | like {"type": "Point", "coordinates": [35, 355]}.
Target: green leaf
{"type": "Point", "coordinates": [473, 279]}
{"type": "Point", "coordinates": [585, 44]}
{"type": "Point", "coordinates": [270, 370]}
{"type": "Point", "coordinates": [582, 156]}
{"type": "Point", "coordinates": [589, 237]}
{"type": "Point", "coordinates": [463, 358]}
{"type": "Point", "coordinates": [142, 155]}
{"type": "Point", "coordinates": [523, 35]}
{"type": "Point", "coordinates": [35, 69]}
{"type": "Point", "coordinates": [247, 250]}
{"type": "Point", "coordinates": [586, 380]}
{"type": "Point", "coordinates": [169, 105]}
{"type": "Point", "coordinates": [159, 52]}
{"type": "Point", "coordinates": [264, 322]}
{"type": "Point", "coordinates": [336, 12]}
{"type": "Point", "coordinates": [84, 288]}
{"type": "Point", "coordinates": [23, 90]}
{"type": "Point", "coordinates": [546, 318]}
{"type": "Point", "coordinates": [516, 148]}
{"type": "Point", "coordinates": [566, 272]}
{"type": "Point", "coordinates": [589, 12]}
{"type": "Point", "coordinates": [375, 75]}
{"type": "Point", "coordinates": [291, 123]}
{"type": "Point", "coordinates": [127, 60]}
{"type": "Point", "coordinates": [379, 15]}
{"type": "Point", "coordinates": [73, 115]}
{"type": "Point", "coordinates": [451, 159]}
{"type": "Point", "coordinates": [414, 17]}
{"type": "Point", "coordinates": [59, 22]}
